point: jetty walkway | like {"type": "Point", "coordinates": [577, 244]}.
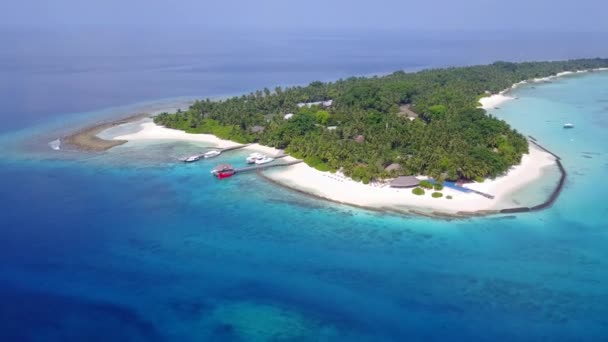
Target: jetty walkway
{"type": "Point", "coordinates": [266, 166]}
{"type": "Point", "coordinates": [221, 150]}
{"type": "Point", "coordinates": [226, 149]}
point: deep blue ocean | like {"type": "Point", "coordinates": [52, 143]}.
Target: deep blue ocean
{"type": "Point", "coordinates": [129, 245]}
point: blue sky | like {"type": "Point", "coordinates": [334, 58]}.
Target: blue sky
{"type": "Point", "coordinates": [554, 15]}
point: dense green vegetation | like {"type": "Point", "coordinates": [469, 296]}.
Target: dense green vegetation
{"type": "Point", "coordinates": [437, 195]}
{"type": "Point", "coordinates": [426, 184]}
{"type": "Point", "coordinates": [367, 127]}
{"type": "Point", "coordinates": [418, 191]}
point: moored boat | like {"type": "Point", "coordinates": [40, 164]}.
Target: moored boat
{"type": "Point", "coordinates": [222, 175]}
{"type": "Point", "coordinates": [253, 157]}
{"type": "Point", "coordinates": [568, 125]}
{"type": "Point", "coordinates": [223, 171]}
{"type": "Point", "coordinates": [211, 154]}
{"type": "Point", "coordinates": [264, 160]}
{"type": "Point", "coordinates": [192, 159]}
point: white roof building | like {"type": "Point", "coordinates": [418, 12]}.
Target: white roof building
{"type": "Point", "coordinates": [327, 103]}
{"type": "Point", "coordinates": [288, 116]}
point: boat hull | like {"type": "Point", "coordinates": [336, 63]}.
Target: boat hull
{"type": "Point", "coordinates": [223, 175]}
{"type": "Point", "coordinates": [264, 161]}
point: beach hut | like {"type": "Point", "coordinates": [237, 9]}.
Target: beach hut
{"type": "Point", "coordinates": [328, 103]}
{"type": "Point", "coordinates": [392, 167]}
{"type": "Point", "coordinates": [405, 182]}
{"type": "Point", "coordinates": [405, 111]}
{"type": "Point", "coordinates": [257, 129]}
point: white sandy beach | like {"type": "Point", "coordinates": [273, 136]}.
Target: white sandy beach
{"type": "Point", "coordinates": [494, 100]}
{"type": "Point", "coordinates": [151, 131]}
{"type": "Point", "coordinates": [338, 188]}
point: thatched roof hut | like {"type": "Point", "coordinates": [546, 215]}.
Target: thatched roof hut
{"type": "Point", "coordinates": [406, 112]}
{"type": "Point", "coordinates": [405, 182]}
{"type": "Point", "coordinates": [393, 167]}
{"type": "Point", "coordinates": [257, 129]}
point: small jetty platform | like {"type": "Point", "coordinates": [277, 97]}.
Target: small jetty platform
{"type": "Point", "coordinates": [481, 193]}
{"type": "Point", "coordinates": [198, 156]}
{"type": "Point", "coordinates": [222, 171]}
{"type": "Point", "coordinates": [226, 149]}
{"type": "Point", "coordinates": [266, 166]}
{"type": "Point", "coordinates": [461, 188]}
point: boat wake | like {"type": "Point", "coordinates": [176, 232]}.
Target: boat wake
{"type": "Point", "coordinates": [55, 144]}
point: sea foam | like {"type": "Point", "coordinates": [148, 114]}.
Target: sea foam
{"type": "Point", "coordinates": [55, 144]}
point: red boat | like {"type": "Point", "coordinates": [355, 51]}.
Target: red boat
{"type": "Point", "coordinates": [223, 171]}
{"type": "Point", "coordinates": [222, 175]}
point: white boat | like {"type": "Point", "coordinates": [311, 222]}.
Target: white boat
{"type": "Point", "coordinates": [568, 125]}
{"type": "Point", "coordinates": [192, 159]}
{"type": "Point", "coordinates": [264, 160]}
{"type": "Point", "coordinates": [211, 154]}
{"type": "Point", "coordinates": [253, 157]}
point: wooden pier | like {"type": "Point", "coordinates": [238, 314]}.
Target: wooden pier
{"type": "Point", "coordinates": [481, 193]}
{"type": "Point", "coordinates": [221, 150]}
{"type": "Point", "coordinates": [266, 166]}
{"type": "Point", "coordinates": [232, 148]}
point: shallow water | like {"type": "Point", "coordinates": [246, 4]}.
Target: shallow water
{"type": "Point", "coordinates": [130, 245]}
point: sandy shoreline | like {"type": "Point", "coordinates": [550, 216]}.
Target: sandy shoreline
{"type": "Point", "coordinates": [87, 139]}
{"type": "Point", "coordinates": [341, 189]}
{"type": "Point", "coordinates": [494, 100]}
{"type": "Point", "coordinates": [338, 188]}
{"type": "Point", "coordinates": [151, 131]}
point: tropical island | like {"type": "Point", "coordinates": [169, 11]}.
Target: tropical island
{"type": "Point", "coordinates": [424, 123]}
{"type": "Point", "coordinates": [405, 142]}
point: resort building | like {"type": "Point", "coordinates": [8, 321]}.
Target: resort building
{"type": "Point", "coordinates": [257, 129]}
{"type": "Point", "coordinates": [327, 103]}
{"type": "Point", "coordinates": [393, 167]}
{"type": "Point", "coordinates": [405, 111]}
{"type": "Point", "coordinates": [405, 182]}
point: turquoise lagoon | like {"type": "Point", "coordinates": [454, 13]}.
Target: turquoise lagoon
{"type": "Point", "coordinates": [130, 245]}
